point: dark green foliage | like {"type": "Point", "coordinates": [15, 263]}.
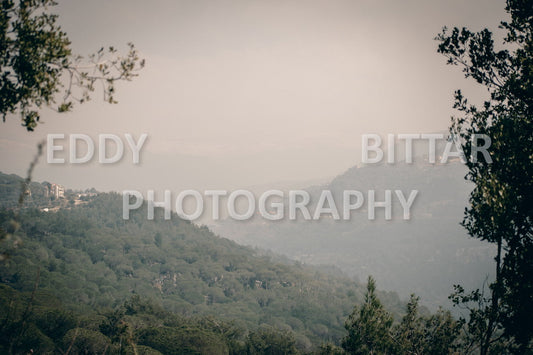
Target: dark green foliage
{"type": "Point", "coordinates": [329, 349]}
{"type": "Point", "coordinates": [86, 341]}
{"type": "Point", "coordinates": [432, 334]}
{"type": "Point", "coordinates": [172, 287]}
{"type": "Point", "coordinates": [55, 323]}
{"type": "Point", "coordinates": [90, 258]}
{"type": "Point", "coordinates": [368, 326]}
{"type": "Point", "coordinates": [137, 324]}
{"type": "Point", "coordinates": [371, 330]}
{"type": "Point", "coordinates": [23, 325]}
{"type": "Point", "coordinates": [409, 334]}
{"type": "Point", "coordinates": [270, 341]}
{"type": "Point", "coordinates": [10, 187]}
{"type": "Point", "coordinates": [441, 334]}
{"type": "Point", "coordinates": [36, 61]}
{"type": "Point", "coordinates": [182, 340]}
{"type": "Point", "coordinates": [500, 205]}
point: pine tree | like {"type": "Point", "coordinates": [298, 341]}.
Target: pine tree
{"type": "Point", "coordinates": [368, 326]}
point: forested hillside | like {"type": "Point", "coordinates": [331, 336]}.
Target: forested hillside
{"type": "Point", "coordinates": [91, 260]}
{"type": "Point", "coordinates": [10, 186]}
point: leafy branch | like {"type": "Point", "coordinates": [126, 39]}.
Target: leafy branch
{"type": "Point", "coordinates": [38, 68]}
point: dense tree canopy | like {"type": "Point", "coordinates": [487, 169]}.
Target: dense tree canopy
{"type": "Point", "coordinates": [88, 257]}
{"type": "Point", "coordinates": [371, 330]}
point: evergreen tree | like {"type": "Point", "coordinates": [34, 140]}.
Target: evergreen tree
{"type": "Point", "coordinates": [368, 326]}
{"type": "Point", "coordinates": [434, 335]}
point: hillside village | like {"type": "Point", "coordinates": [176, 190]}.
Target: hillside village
{"type": "Point", "coordinates": [45, 196]}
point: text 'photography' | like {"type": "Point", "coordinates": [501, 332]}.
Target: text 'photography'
{"type": "Point", "coordinates": [266, 177]}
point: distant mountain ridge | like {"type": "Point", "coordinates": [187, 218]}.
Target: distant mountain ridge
{"type": "Point", "coordinates": [425, 255]}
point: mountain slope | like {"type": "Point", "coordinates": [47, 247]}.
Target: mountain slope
{"type": "Point", "coordinates": [426, 254]}
{"type": "Point", "coordinates": [90, 258]}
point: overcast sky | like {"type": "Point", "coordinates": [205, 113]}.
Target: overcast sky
{"type": "Point", "coordinates": [241, 92]}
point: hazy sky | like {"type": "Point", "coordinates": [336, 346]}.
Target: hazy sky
{"type": "Point", "coordinates": [242, 92]}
